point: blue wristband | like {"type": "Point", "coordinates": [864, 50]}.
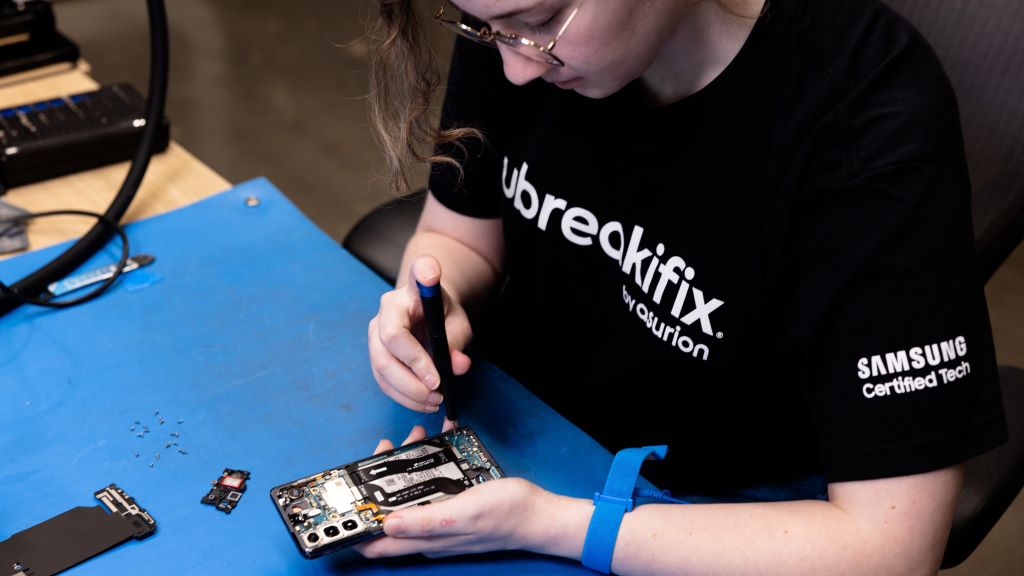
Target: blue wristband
{"type": "Point", "coordinates": [612, 503]}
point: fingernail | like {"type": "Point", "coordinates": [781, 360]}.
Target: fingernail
{"type": "Point", "coordinates": [393, 526]}
{"type": "Point", "coordinates": [431, 381]}
{"type": "Point", "coordinates": [434, 398]}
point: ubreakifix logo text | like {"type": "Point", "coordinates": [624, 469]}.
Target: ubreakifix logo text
{"type": "Point", "coordinates": [663, 279]}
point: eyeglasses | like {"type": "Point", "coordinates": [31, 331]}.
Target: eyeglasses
{"type": "Point", "coordinates": [524, 46]}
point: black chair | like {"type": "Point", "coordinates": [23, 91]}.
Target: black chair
{"type": "Point", "coordinates": [379, 238]}
{"type": "Point", "coordinates": [982, 48]}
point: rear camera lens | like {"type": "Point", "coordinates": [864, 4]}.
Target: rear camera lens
{"type": "Point", "coordinates": [332, 531]}
{"type": "Point", "coordinates": [349, 525]}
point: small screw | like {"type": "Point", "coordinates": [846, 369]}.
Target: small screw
{"type": "Point", "coordinates": [252, 201]}
{"type": "Point", "coordinates": [174, 443]}
{"type": "Point", "coordinates": [183, 451]}
{"type": "Point", "coordinates": [181, 420]}
{"type": "Point", "coordinates": [168, 445]}
{"type": "Point", "coordinates": [139, 434]}
{"type": "Point", "coordinates": [157, 455]}
{"type": "Point", "coordinates": [175, 434]}
{"type": "Point", "coordinates": [157, 413]}
{"type": "Point", "coordinates": [145, 428]}
{"type": "Point", "coordinates": [150, 464]}
{"type": "Point", "coordinates": [137, 422]}
{"type": "Point", "coordinates": [161, 420]}
{"type": "Point", "coordinates": [132, 428]}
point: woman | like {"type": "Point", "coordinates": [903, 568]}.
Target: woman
{"type": "Point", "coordinates": [736, 229]}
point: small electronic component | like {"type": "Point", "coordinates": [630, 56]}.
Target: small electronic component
{"type": "Point", "coordinates": [76, 535]}
{"type": "Point", "coordinates": [227, 490]}
{"type": "Point", "coordinates": [345, 505]}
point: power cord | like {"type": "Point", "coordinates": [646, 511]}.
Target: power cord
{"type": "Point", "coordinates": [98, 235]}
{"type": "Point", "coordinates": [111, 225]}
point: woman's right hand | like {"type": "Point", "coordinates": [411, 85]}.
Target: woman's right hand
{"type": "Point", "coordinates": [399, 360]}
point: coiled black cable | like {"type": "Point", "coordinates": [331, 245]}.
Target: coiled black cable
{"type": "Point", "coordinates": [33, 285]}
{"type": "Point", "coordinates": [9, 292]}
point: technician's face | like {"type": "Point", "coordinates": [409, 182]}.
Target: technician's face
{"type": "Point", "coordinates": [608, 44]}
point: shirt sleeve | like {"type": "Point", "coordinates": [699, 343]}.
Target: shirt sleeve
{"type": "Point", "coordinates": [475, 97]}
{"type": "Point", "coordinates": [895, 335]}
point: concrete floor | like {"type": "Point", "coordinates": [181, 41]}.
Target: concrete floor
{"type": "Point", "coordinates": [276, 89]}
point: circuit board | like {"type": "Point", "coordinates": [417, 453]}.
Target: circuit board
{"type": "Point", "coordinates": [227, 490]}
{"type": "Point", "coordinates": [347, 504]}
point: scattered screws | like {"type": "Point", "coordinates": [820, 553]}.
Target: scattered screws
{"type": "Point", "coordinates": [174, 443]}
{"type": "Point", "coordinates": [182, 451]}
{"type": "Point", "coordinates": [136, 454]}
{"type": "Point", "coordinates": [168, 445]}
{"type": "Point", "coordinates": [181, 420]}
{"type": "Point", "coordinates": [150, 464]}
{"type": "Point", "coordinates": [137, 422]}
{"type": "Point", "coordinates": [145, 429]}
{"type": "Point", "coordinates": [161, 420]}
{"type": "Point", "coordinates": [139, 434]}
{"type": "Point", "coordinates": [157, 455]}
{"type": "Point", "coordinates": [132, 428]}
{"type": "Point", "coordinates": [157, 413]}
{"type": "Point", "coordinates": [175, 434]}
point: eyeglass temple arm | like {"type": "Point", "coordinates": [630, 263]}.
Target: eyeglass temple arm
{"type": "Point", "coordinates": [564, 26]}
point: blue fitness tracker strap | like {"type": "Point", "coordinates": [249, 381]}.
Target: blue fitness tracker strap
{"type": "Point", "coordinates": [612, 503]}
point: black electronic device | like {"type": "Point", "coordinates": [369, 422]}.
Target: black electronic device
{"type": "Point", "coordinates": [345, 505]}
{"type": "Point", "coordinates": [24, 290]}
{"type": "Point", "coordinates": [227, 490]}
{"type": "Point", "coordinates": [29, 38]}
{"type": "Point", "coordinates": [76, 535]}
{"type": "Point", "coordinates": [59, 136]}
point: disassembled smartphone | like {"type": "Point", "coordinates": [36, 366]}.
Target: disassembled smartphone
{"type": "Point", "coordinates": [345, 505]}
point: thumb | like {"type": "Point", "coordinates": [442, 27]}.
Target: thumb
{"type": "Point", "coordinates": [426, 270]}
{"type": "Point", "coordinates": [422, 522]}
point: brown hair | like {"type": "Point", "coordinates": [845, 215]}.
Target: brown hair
{"type": "Point", "coordinates": [403, 79]}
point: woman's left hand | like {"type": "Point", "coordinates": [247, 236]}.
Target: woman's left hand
{"type": "Point", "coordinates": [501, 514]}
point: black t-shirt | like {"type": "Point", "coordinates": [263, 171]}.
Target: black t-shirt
{"type": "Point", "coordinates": [773, 276]}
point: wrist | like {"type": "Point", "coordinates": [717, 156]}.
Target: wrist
{"type": "Point", "coordinates": [559, 525]}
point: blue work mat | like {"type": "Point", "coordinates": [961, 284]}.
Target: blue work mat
{"type": "Point", "coordinates": [251, 328]}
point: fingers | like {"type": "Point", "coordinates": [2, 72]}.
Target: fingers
{"type": "Point", "coordinates": [425, 269]}
{"type": "Point", "coordinates": [404, 400]}
{"type": "Point", "coordinates": [448, 425]}
{"type": "Point", "coordinates": [460, 362]}
{"type": "Point", "coordinates": [383, 446]}
{"type": "Point", "coordinates": [456, 325]}
{"type": "Point", "coordinates": [387, 547]}
{"type": "Point", "coordinates": [400, 363]}
{"type": "Point", "coordinates": [398, 310]}
{"type": "Point", "coordinates": [423, 524]}
{"type": "Point", "coordinates": [395, 379]}
{"type": "Point", "coordinates": [415, 435]}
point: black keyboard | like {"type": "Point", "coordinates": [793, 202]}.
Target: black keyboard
{"type": "Point", "coordinates": [29, 38]}
{"type": "Point", "coordinates": [55, 137]}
